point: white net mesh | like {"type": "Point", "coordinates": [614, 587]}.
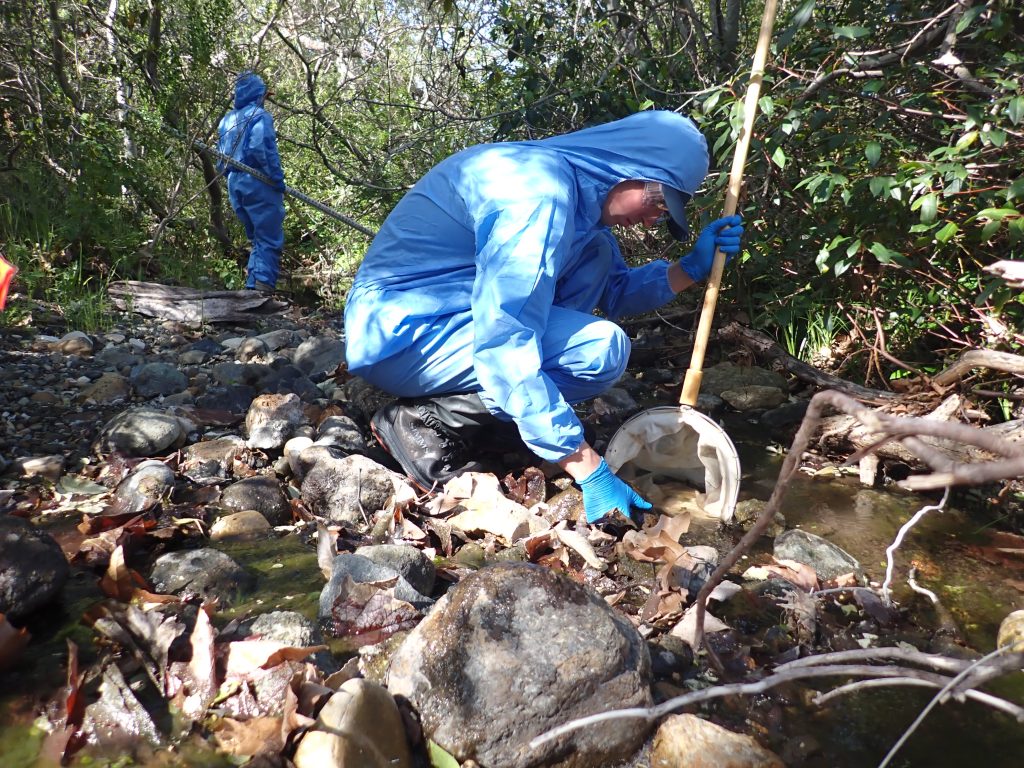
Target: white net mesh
{"type": "Point", "coordinates": [682, 444]}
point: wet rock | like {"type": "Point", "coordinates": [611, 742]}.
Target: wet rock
{"type": "Point", "coordinates": [108, 388]}
{"type": "Point", "coordinates": [319, 354]}
{"type": "Point", "coordinates": [691, 741]}
{"type": "Point", "coordinates": [272, 419]}
{"type": "Point", "coordinates": [205, 572]}
{"type": "Point", "coordinates": [235, 398]}
{"type": "Point", "coordinates": [211, 458]}
{"type": "Point", "coordinates": [671, 657]}
{"type": "Point", "coordinates": [154, 379]}
{"type": "Point", "coordinates": [362, 570]}
{"type": "Point", "coordinates": [251, 349]}
{"type": "Point", "coordinates": [723, 376]}
{"type": "Point", "coordinates": [74, 343]}
{"type": "Point", "coordinates": [148, 484]}
{"type": "Point", "coordinates": [347, 490]}
{"type": "Point", "coordinates": [359, 726]}
{"type": "Point", "coordinates": [513, 650]}
{"type": "Point", "coordinates": [827, 560]}
{"type": "Point", "coordinates": [120, 360]}
{"type": "Point", "coordinates": [33, 569]}
{"type": "Point", "coordinates": [341, 431]}
{"type": "Point", "coordinates": [749, 510]}
{"type": "Point", "coordinates": [262, 494]}
{"type": "Point", "coordinates": [286, 627]}
{"type": "Point", "coordinates": [409, 561]}
{"type": "Point", "coordinates": [782, 422]}
{"type": "Point", "coordinates": [754, 397]}
{"type": "Point", "coordinates": [141, 432]}
{"type": "Point", "coordinates": [247, 524]}
{"type": "Point", "coordinates": [278, 339]}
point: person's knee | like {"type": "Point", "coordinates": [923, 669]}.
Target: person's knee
{"type": "Point", "coordinates": [616, 358]}
{"type": "Point", "coordinates": [603, 358]}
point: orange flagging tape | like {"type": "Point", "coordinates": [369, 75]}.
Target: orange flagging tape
{"type": "Point", "coordinates": [7, 273]}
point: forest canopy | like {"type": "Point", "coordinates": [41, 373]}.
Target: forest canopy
{"type": "Point", "coordinates": [884, 173]}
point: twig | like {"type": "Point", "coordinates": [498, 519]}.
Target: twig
{"type": "Point", "coordinates": [980, 696]}
{"type": "Point", "coordinates": [890, 552]}
{"type": "Point", "coordinates": [912, 582]}
{"type": "Point", "coordinates": [785, 674]}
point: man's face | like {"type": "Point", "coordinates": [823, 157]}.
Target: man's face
{"type": "Point", "coordinates": [627, 206]}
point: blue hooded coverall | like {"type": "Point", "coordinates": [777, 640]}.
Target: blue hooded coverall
{"type": "Point", "coordinates": [485, 276]}
{"type": "Point", "coordinates": [246, 134]}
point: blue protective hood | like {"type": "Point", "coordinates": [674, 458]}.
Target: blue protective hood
{"type": "Point", "coordinates": [651, 146]}
{"type": "Point", "coordinates": [250, 89]}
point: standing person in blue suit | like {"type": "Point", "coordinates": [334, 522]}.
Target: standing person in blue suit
{"type": "Point", "coordinates": [474, 303]}
{"type": "Point", "coordinates": [246, 134]}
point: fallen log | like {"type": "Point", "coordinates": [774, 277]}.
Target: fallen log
{"type": "Point", "coordinates": [191, 306]}
{"type": "Point", "coordinates": [766, 350]}
{"type": "Point", "coordinates": [979, 358]}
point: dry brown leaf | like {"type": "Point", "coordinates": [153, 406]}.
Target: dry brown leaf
{"type": "Point", "coordinates": [367, 613]}
{"type": "Point", "coordinates": [119, 581]}
{"type": "Point", "coordinates": [797, 574]}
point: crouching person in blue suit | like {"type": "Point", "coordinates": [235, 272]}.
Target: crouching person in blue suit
{"type": "Point", "coordinates": [474, 304]}
{"type": "Point", "coordinates": [246, 134]}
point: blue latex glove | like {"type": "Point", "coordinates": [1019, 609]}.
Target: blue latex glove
{"type": "Point", "coordinates": [604, 492]}
{"type": "Point", "coordinates": [724, 234]}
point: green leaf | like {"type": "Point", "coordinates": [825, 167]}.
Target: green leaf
{"type": "Point", "coordinates": [994, 136]}
{"type": "Point", "coordinates": [883, 254]}
{"type": "Point", "coordinates": [880, 185]}
{"type": "Point", "coordinates": [1016, 189]}
{"type": "Point", "coordinates": [779, 157]}
{"type": "Point", "coordinates": [967, 139]}
{"type": "Point", "coordinates": [947, 231]}
{"type": "Point", "coordinates": [873, 152]}
{"type": "Point", "coordinates": [851, 33]}
{"type": "Point", "coordinates": [439, 758]}
{"type": "Point", "coordinates": [989, 230]}
{"type": "Point", "coordinates": [929, 207]}
{"type": "Point", "coordinates": [800, 18]}
{"type": "Point", "coordinates": [767, 105]}
{"type": "Point", "coordinates": [1015, 109]}
{"type": "Point", "coordinates": [822, 259]}
{"type": "Point", "coordinates": [996, 214]}
{"type": "Point", "coordinates": [968, 17]}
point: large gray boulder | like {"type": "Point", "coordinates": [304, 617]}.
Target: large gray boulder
{"type": "Point", "coordinates": [514, 650]}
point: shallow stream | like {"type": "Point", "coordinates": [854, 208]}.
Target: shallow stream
{"type": "Point", "coordinates": [978, 584]}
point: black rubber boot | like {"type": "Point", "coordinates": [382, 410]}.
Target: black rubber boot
{"type": "Point", "coordinates": [437, 438]}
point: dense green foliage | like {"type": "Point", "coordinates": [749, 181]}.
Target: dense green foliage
{"type": "Point", "coordinates": [884, 175]}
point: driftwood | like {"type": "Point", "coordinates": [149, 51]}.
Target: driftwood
{"type": "Point", "coordinates": [192, 306]}
{"type": "Point", "coordinates": [979, 358]}
{"type": "Point", "coordinates": [766, 350]}
{"type": "Point", "coordinates": [846, 433]}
